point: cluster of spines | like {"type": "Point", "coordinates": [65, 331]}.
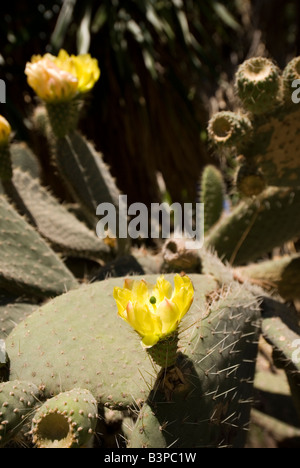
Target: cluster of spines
{"type": "Point", "coordinates": [17, 401]}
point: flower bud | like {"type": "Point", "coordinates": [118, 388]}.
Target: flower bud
{"type": "Point", "coordinates": [5, 131]}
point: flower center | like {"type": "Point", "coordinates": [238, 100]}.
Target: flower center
{"type": "Point", "coordinates": [152, 300]}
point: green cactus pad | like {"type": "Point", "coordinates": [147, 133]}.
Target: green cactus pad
{"type": "Point", "coordinates": [271, 148]}
{"type": "Point", "coordinates": [275, 149]}
{"type": "Point", "coordinates": [209, 404]}
{"type": "Point", "coordinates": [250, 181]}
{"type": "Point", "coordinates": [291, 73]}
{"type": "Point", "coordinates": [286, 342]}
{"type": "Point", "coordinates": [282, 275]}
{"type": "Point", "coordinates": [17, 400]}
{"type": "Point", "coordinates": [212, 265]}
{"type": "Point", "coordinates": [212, 195]}
{"type": "Point", "coordinates": [55, 223]}
{"type": "Point", "coordinates": [258, 85]}
{"type": "Point", "coordinates": [27, 265]}
{"type": "Point", "coordinates": [281, 329]}
{"type": "Point", "coordinates": [3, 354]}
{"type": "Point", "coordinates": [67, 420]}
{"type": "Point", "coordinates": [23, 158]}
{"type": "Point", "coordinates": [228, 129]}
{"type": "Point", "coordinates": [64, 116]}
{"type": "Point", "coordinates": [164, 353]}
{"type": "Point", "coordinates": [255, 227]}
{"type": "Point", "coordinates": [87, 177]}
{"type": "Point", "coordinates": [78, 340]}
{"type": "Point", "coordinates": [12, 311]}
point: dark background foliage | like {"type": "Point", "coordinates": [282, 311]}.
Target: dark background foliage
{"type": "Point", "coordinates": [162, 62]}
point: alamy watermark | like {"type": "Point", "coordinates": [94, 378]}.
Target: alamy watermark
{"type": "Point", "coordinates": [163, 221]}
{"type": "Point", "coordinates": [2, 92]}
{"type": "Point", "coordinates": [296, 93]}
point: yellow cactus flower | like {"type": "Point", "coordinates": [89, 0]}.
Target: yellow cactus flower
{"type": "Point", "coordinates": [5, 131]}
{"type": "Point", "coordinates": [61, 78]}
{"type": "Point", "coordinates": [51, 83]}
{"type": "Point", "coordinates": [154, 311]}
{"type": "Point", "coordinates": [84, 67]}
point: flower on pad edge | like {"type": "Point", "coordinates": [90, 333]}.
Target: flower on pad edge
{"type": "Point", "coordinates": [154, 311]}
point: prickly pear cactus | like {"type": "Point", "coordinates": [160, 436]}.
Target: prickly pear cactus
{"type": "Point", "coordinates": [256, 226]}
{"type": "Point", "coordinates": [72, 372]}
{"type": "Point", "coordinates": [12, 312]}
{"type": "Point", "coordinates": [281, 330]}
{"type": "Point", "coordinates": [77, 341]}
{"type": "Point", "coordinates": [213, 396]}
{"type": "Point", "coordinates": [282, 275]}
{"type": "Point", "coordinates": [212, 194]}
{"type": "Point", "coordinates": [67, 420]}
{"type": "Point", "coordinates": [28, 265]}
{"type": "Point", "coordinates": [265, 134]}
{"type": "Point", "coordinates": [87, 344]}
{"type": "Point", "coordinates": [17, 399]}
{"type": "Point", "coordinates": [55, 223]}
{"type": "Point", "coordinates": [87, 177]}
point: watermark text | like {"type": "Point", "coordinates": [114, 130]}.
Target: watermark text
{"type": "Point", "coordinates": [162, 221]}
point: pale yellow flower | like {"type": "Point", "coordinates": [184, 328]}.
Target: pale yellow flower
{"type": "Point", "coordinates": [63, 77]}
{"type": "Point", "coordinates": [51, 83]}
{"type": "Point", "coordinates": [154, 311]}
{"type": "Point", "coordinates": [5, 131]}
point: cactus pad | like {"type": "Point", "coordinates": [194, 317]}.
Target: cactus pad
{"type": "Point", "coordinates": [208, 403]}
{"type": "Point", "coordinates": [27, 264]}
{"type": "Point", "coordinates": [78, 340]}
{"type": "Point", "coordinates": [17, 400]}
{"type": "Point", "coordinates": [67, 420]}
{"type": "Point", "coordinates": [55, 223]}
{"type": "Point", "coordinates": [271, 142]}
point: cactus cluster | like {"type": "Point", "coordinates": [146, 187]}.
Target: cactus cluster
{"type": "Point", "coordinates": [83, 350]}
{"type": "Point", "coordinates": [72, 373]}
{"type": "Point", "coordinates": [263, 133]}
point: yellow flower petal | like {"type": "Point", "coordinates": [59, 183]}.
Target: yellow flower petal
{"type": "Point", "coordinates": [128, 283]}
{"type": "Point", "coordinates": [87, 71]}
{"type": "Point", "coordinates": [122, 297]}
{"type": "Point", "coordinates": [142, 320]}
{"type": "Point", "coordinates": [84, 67]}
{"type": "Point", "coordinates": [63, 56]}
{"type": "Point", "coordinates": [5, 131]}
{"type": "Point", "coordinates": [170, 316]}
{"type": "Point", "coordinates": [163, 289]}
{"type": "Point", "coordinates": [181, 282]}
{"type": "Point", "coordinates": [183, 295]}
{"type": "Point", "coordinates": [149, 341]}
{"type": "Point", "coordinates": [154, 311]}
{"type": "Point", "coordinates": [140, 291]}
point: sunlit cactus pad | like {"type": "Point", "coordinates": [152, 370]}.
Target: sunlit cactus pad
{"type": "Point", "coordinates": [78, 340]}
